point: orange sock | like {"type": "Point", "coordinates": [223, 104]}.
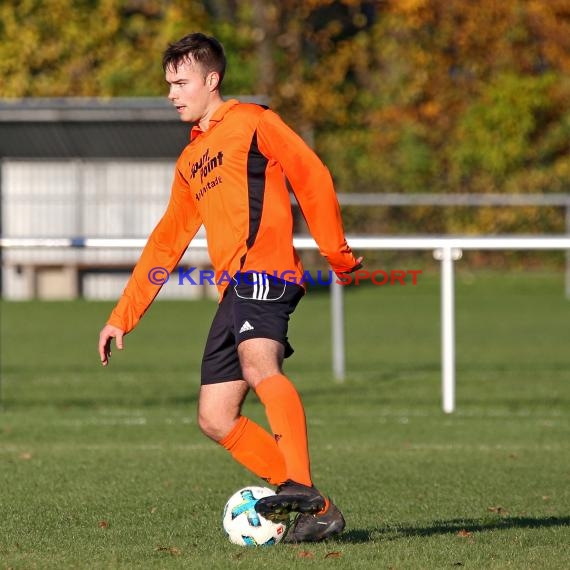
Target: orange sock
{"type": "Point", "coordinates": [326, 507]}
{"type": "Point", "coordinates": [256, 450]}
{"type": "Point", "coordinates": [286, 417]}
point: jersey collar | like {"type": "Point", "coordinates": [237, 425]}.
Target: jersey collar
{"type": "Point", "coordinates": [216, 117]}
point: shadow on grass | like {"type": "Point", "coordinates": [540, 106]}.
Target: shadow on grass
{"type": "Point", "coordinates": [453, 526]}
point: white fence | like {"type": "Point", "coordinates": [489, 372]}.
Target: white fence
{"type": "Point", "coordinates": [557, 200]}
{"type": "Point", "coordinates": [124, 198]}
{"type": "Point", "coordinates": [445, 249]}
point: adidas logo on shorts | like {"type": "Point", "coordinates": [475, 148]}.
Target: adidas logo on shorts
{"type": "Point", "coordinates": [245, 327]}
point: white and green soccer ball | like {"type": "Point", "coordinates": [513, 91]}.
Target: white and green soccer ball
{"type": "Point", "coordinates": [245, 526]}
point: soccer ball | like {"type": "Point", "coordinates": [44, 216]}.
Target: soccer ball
{"type": "Point", "coordinates": [246, 527]}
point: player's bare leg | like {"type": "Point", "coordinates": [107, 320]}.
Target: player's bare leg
{"type": "Point", "coordinates": [220, 418]}
{"type": "Point", "coordinates": [260, 358]}
{"type": "Point", "coordinates": [219, 407]}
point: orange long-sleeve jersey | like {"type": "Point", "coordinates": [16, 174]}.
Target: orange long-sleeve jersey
{"type": "Point", "coordinates": [232, 179]}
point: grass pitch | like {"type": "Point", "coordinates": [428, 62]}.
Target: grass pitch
{"type": "Point", "coordinates": [106, 468]}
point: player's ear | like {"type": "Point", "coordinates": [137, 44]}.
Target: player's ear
{"type": "Point", "coordinates": [213, 80]}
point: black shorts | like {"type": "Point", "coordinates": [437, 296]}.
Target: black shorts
{"type": "Point", "coordinates": [256, 305]}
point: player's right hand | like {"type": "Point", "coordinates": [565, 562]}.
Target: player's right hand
{"type": "Point", "coordinates": [108, 332]}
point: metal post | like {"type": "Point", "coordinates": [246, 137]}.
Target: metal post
{"type": "Point", "coordinates": [567, 278]}
{"type": "Point", "coordinates": [447, 255]}
{"type": "Point", "coordinates": [337, 326]}
{"type": "Point", "coordinates": [1, 267]}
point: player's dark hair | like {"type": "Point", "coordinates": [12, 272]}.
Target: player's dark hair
{"type": "Point", "coordinates": [205, 50]}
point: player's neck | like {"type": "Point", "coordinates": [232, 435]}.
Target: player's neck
{"type": "Point", "coordinates": [214, 105]}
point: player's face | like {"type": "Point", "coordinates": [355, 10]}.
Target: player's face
{"type": "Point", "coordinates": [190, 90]}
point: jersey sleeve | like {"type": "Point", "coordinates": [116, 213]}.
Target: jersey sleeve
{"type": "Point", "coordinates": [164, 248]}
{"type": "Point", "coordinates": [313, 188]}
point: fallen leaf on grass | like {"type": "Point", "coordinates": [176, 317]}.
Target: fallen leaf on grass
{"type": "Point", "coordinates": [463, 533]}
{"type": "Point", "coordinates": [103, 524]}
{"type": "Point", "coordinates": [172, 550]}
{"type": "Point", "coordinates": [306, 554]}
{"type": "Point", "coordinates": [333, 554]}
{"type": "Point", "coordinates": [498, 509]}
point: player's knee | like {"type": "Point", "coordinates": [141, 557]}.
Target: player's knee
{"type": "Point", "coordinates": [254, 374]}
{"type": "Point", "coordinates": [213, 427]}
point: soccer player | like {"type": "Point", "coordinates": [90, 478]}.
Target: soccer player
{"type": "Point", "coordinates": [232, 179]}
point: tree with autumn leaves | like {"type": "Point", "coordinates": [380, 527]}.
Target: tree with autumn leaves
{"type": "Point", "coordinates": [396, 95]}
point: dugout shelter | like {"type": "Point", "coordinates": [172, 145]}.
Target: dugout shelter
{"type": "Point", "coordinates": [83, 167]}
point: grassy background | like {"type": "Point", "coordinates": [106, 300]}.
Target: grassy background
{"type": "Point", "coordinates": [106, 468]}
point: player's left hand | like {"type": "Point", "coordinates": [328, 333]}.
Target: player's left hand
{"type": "Point", "coordinates": [358, 266]}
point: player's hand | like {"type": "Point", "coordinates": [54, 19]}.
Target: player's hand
{"type": "Point", "coordinates": [345, 278]}
{"type": "Point", "coordinates": [358, 266]}
{"type": "Point", "coordinates": [108, 333]}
